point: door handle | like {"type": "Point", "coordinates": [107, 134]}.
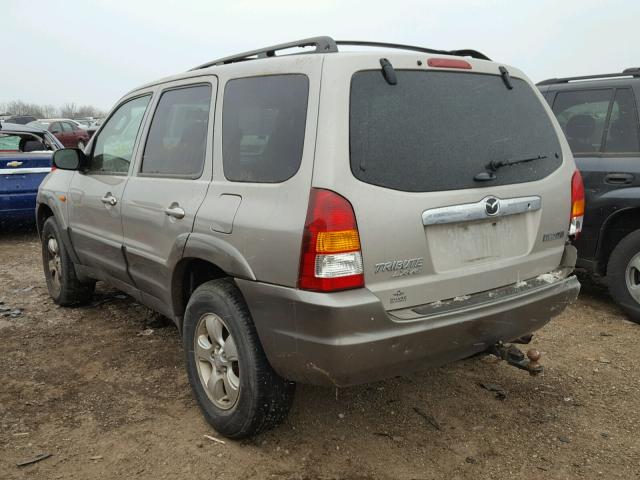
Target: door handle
{"type": "Point", "coordinates": [109, 199]}
{"type": "Point", "coordinates": [618, 178]}
{"type": "Point", "coordinates": [174, 211]}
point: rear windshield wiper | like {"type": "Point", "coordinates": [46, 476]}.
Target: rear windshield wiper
{"type": "Point", "coordinates": [494, 165]}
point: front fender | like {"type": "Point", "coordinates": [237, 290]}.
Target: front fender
{"type": "Point", "coordinates": [52, 194]}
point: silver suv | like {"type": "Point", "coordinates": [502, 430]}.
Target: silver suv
{"type": "Point", "coordinates": [325, 217]}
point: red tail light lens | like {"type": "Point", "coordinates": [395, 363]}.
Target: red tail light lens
{"type": "Point", "coordinates": [577, 205]}
{"type": "Point", "coordinates": [331, 258]}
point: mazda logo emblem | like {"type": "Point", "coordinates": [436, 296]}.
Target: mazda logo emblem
{"type": "Point", "coordinates": [492, 206]}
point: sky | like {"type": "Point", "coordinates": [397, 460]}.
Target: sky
{"type": "Point", "coordinates": [93, 52]}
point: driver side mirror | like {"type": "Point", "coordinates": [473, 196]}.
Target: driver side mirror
{"type": "Point", "coordinates": [69, 159]}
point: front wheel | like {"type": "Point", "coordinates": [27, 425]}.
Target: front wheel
{"type": "Point", "coordinates": [623, 274]}
{"type": "Point", "coordinates": [239, 393]}
{"type": "Point", "coordinates": [63, 284]}
{"type": "Point", "coordinates": [81, 145]}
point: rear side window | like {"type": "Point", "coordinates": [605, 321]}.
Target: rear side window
{"type": "Point", "coordinates": [177, 137]}
{"type": "Point", "coordinates": [436, 130]}
{"type": "Point", "coordinates": [582, 115]}
{"type": "Point", "coordinates": [622, 134]}
{"type": "Point", "coordinates": [263, 124]}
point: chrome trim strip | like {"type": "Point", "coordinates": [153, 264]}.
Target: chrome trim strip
{"type": "Point", "coordinates": [476, 211]}
{"type": "Point", "coordinates": [22, 171]}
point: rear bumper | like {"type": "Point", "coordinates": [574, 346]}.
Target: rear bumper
{"type": "Point", "coordinates": [347, 338]}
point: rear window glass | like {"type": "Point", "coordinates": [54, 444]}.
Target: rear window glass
{"type": "Point", "coordinates": [263, 123]}
{"type": "Point", "coordinates": [436, 130]}
{"type": "Point", "coordinates": [622, 134]}
{"type": "Point", "coordinates": [582, 115]}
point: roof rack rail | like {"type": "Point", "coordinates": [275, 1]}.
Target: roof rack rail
{"type": "Point", "coordinates": [322, 45]}
{"type": "Point", "coordinates": [329, 45]}
{"type": "Point", "coordinates": [399, 46]}
{"type": "Point", "coordinates": [627, 72]}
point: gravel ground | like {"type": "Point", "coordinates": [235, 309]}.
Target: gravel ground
{"type": "Point", "coordinates": [102, 389]}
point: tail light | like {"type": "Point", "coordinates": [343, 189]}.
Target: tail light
{"type": "Point", "coordinates": [577, 205]}
{"type": "Point", "coordinates": [331, 258]}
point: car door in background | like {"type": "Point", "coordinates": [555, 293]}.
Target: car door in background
{"type": "Point", "coordinates": [56, 130]}
{"type": "Point", "coordinates": [96, 194]}
{"type": "Point", "coordinates": [601, 126]}
{"type": "Point", "coordinates": [71, 134]}
{"type": "Point", "coordinates": [163, 196]}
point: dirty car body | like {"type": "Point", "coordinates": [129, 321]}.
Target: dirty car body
{"type": "Point", "coordinates": [374, 212]}
{"type": "Point", "coordinates": [25, 160]}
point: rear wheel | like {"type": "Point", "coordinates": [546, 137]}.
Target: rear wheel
{"type": "Point", "coordinates": [623, 274]}
{"type": "Point", "coordinates": [239, 393]}
{"type": "Point", "coordinates": [80, 145]}
{"type": "Point", "coordinates": [62, 282]}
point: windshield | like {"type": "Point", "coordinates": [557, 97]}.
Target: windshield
{"type": "Point", "coordinates": [436, 130]}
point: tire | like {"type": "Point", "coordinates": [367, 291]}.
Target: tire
{"type": "Point", "coordinates": [63, 284]}
{"type": "Point", "coordinates": [80, 145]}
{"type": "Point", "coordinates": [623, 275]}
{"type": "Point", "coordinates": [263, 398]}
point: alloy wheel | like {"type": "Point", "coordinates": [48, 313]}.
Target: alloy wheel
{"type": "Point", "coordinates": [217, 361]}
{"type": "Point", "coordinates": [54, 264]}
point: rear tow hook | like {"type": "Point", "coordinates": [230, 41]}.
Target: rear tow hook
{"type": "Point", "coordinates": [514, 357]}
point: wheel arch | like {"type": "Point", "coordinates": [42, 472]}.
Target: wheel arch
{"type": "Point", "coordinates": [615, 228]}
{"type": "Point", "coordinates": [204, 258]}
{"type": "Point", "coordinates": [43, 211]}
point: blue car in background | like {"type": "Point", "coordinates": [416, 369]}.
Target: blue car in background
{"type": "Point", "coordinates": [25, 159]}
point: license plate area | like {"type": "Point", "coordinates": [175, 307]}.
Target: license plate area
{"type": "Point", "coordinates": [459, 245]}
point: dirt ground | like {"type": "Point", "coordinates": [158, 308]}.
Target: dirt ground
{"type": "Point", "coordinates": [103, 390]}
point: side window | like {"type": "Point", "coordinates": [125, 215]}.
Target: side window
{"type": "Point", "coordinates": [9, 143]}
{"type": "Point", "coordinates": [263, 123]}
{"type": "Point", "coordinates": [66, 127]}
{"type": "Point", "coordinates": [113, 148]}
{"type": "Point", "coordinates": [622, 134]}
{"type": "Point", "coordinates": [177, 137]}
{"type": "Point", "coordinates": [582, 115]}
{"type": "Point", "coordinates": [55, 128]}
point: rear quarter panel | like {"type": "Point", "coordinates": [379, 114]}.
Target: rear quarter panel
{"type": "Point", "coordinates": [266, 229]}
{"type": "Point", "coordinates": [20, 176]}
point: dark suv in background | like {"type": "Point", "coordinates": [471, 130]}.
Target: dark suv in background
{"type": "Point", "coordinates": [599, 116]}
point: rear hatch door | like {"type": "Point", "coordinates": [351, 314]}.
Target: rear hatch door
{"type": "Point", "coordinates": [416, 152]}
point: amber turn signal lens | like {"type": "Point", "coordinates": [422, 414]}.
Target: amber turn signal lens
{"type": "Point", "coordinates": [342, 241]}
